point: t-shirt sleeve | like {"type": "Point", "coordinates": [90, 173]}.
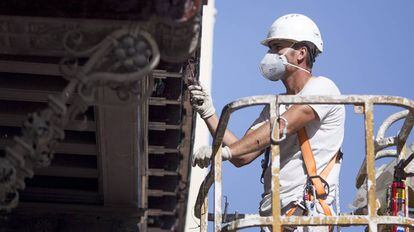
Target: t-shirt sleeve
{"type": "Point", "coordinates": [262, 119]}
{"type": "Point", "coordinates": [321, 86]}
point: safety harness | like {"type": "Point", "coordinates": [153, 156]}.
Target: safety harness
{"type": "Point", "coordinates": [316, 186]}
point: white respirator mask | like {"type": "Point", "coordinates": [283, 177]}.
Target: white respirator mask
{"type": "Point", "coordinates": [273, 68]}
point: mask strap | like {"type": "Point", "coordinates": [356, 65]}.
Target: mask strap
{"type": "Point", "coordinates": [305, 70]}
{"type": "Point", "coordinates": [285, 61]}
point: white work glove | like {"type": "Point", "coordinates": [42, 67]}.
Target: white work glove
{"type": "Point", "coordinates": [198, 93]}
{"type": "Point", "coordinates": [202, 156]}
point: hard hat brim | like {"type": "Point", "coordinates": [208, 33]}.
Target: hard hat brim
{"type": "Point", "coordinates": [265, 42]}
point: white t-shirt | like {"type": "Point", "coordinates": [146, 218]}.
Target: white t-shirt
{"type": "Point", "coordinates": [325, 137]}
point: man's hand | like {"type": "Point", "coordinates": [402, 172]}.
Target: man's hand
{"type": "Point", "coordinates": [202, 156]}
{"type": "Point", "coordinates": [199, 94]}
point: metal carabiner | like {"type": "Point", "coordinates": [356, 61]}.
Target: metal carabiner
{"type": "Point", "coordinates": [324, 182]}
{"type": "Point", "coordinates": [284, 131]}
{"type": "Point", "coordinates": [273, 135]}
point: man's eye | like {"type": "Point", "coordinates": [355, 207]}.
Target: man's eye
{"type": "Point", "coordinates": [274, 48]}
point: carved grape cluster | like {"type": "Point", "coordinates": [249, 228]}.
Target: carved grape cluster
{"type": "Point", "coordinates": [132, 52]}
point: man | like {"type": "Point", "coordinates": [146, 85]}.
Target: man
{"type": "Point", "coordinates": [294, 41]}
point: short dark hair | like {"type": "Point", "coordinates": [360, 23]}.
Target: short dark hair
{"type": "Point", "coordinates": [313, 51]}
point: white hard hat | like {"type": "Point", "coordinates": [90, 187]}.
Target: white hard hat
{"type": "Point", "coordinates": [295, 27]}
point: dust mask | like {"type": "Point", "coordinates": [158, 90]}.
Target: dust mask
{"type": "Point", "coordinates": [273, 68]}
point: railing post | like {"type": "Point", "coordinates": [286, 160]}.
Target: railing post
{"type": "Point", "coordinates": [372, 220]}
{"type": "Point", "coordinates": [204, 215]}
{"type": "Point", "coordinates": [275, 161]}
{"type": "Point", "coordinates": [370, 157]}
{"type": "Point", "coordinates": [217, 190]}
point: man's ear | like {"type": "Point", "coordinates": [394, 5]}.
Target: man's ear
{"type": "Point", "coordinates": [302, 53]}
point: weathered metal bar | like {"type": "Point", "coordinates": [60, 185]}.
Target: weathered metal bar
{"type": "Point", "coordinates": [249, 220]}
{"type": "Point", "coordinates": [362, 174]}
{"type": "Point", "coordinates": [221, 128]}
{"type": "Point", "coordinates": [405, 131]}
{"type": "Point", "coordinates": [347, 220]}
{"type": "Point", "coordinates": [381, 143]}
{"type": "Point", "coordinates": [217, 143]}
{"type": "Point", "coordinates": [275, 164]}
{"type": "Point", "coordinates": [254, 220]}
{"type": "Point", "coordinates": [370, 162]}
{"type": "Point", "coordinates": [203, 193]}
{"type": "Point", "coordinates": [204, 215]}
{"type": "Point", "coordinates": [217, 190]}
{"type": "Point", "coordinates": [372, 220]}
{"type": "Point", "coordinates": [340, 99]}
{"type": "Point", "coordinates": [390, 120]}
{"type": "Point", "coordinates": [348, 99]}
{"type": "Point", "coordinates": [228, 217]}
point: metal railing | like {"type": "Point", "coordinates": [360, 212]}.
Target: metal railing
{"type": "Point", "coordinates": [363, 104]}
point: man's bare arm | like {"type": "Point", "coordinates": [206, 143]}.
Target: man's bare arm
{"type": "Point", "coordinates": [250, 146]}
{"type": "Point", "coordinates": [212, 124]}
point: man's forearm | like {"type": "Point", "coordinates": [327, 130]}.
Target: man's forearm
{"type": "Point", "coordinates": [252, 144]}
{"type": "Point", "coordinates": [248, 148]}
{"type": "Point", "coordinates": [212, 124]}
{"type": "Point", "coordinates": [255, 141]}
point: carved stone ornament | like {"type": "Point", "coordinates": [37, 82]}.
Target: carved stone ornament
{"type": "Point", "coordinates": [119, 61]}
{"type": "Point", "coordinates": [118, 53]}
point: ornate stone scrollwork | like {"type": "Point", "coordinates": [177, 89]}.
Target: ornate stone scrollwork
{"type": "Point", "coordinates": [120, 61]}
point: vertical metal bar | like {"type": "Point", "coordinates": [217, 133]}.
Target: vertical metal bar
{"type": "Point", "coordinates": [405, 131]}
{"type": "Point", "coordinates": [370, 158]}
{"type": "Point", "coordinates": [217, 190]}
{"type": "Point", "coordinates": [204, 215]}
{"type": "Point", "coordinates": [275, 161]}
{"type": "Point", "coordinates": [403, 153]}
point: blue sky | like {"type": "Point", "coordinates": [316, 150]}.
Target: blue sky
{"type": "Point", "coordinates": [368, 50]}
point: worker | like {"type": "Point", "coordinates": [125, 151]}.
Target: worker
{"type": "Point", "coordinates": [294, 41]}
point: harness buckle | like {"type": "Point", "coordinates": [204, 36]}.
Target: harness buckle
{"type": "Point", "coordinates": [324, 182]}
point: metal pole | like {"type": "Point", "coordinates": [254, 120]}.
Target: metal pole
{"type": "Point", "coordinates": [217, 190]}
{"type": "Point", "coordinates": [275, 150]}
{"type": "Point", "coordinates": [370, 157]}
{"type": "Point", "coordinates": [204, 215]}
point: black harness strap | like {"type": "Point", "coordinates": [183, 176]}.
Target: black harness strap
{"type": "Point", "coordinates": [265, 164]}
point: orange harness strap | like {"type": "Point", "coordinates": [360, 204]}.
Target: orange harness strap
{"type": "Point", "coordinates": [291, 211]}
{"type": "Point", "coordinates": [310, 164]}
